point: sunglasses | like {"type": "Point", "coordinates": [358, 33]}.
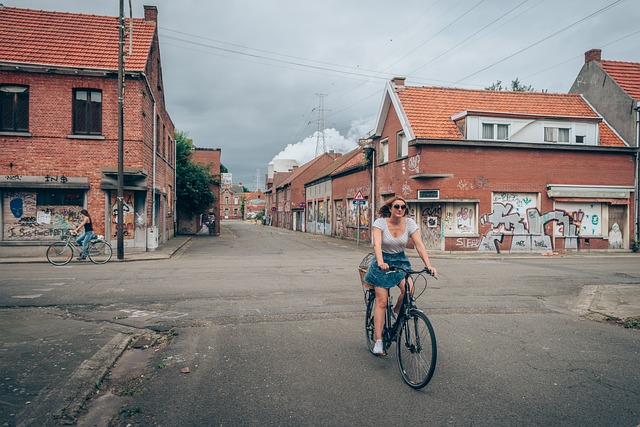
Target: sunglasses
{"type": "Point", "coordinates": [403, 207]}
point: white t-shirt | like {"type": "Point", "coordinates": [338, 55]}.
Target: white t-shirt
{"type": "Point", "coordinates": [394, 245]}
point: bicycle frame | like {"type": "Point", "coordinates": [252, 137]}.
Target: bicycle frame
{"type": "Point", "coordinates": [390, 329]}
{"type": "Point", "coordinates": [416, 346]}
{"type": "Point", "coordinates": [98, 250]}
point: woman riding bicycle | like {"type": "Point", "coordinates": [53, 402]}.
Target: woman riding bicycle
{"type": "Point", "coordinates": [84, 238]}
{"type": "Point", "coordinates": [391, 233]}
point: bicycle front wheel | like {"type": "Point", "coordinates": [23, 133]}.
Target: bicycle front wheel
{"type": "Point", "coordinates": [99, 252]}
{"type": "Point", "coordinates": [368, 321]}
{"type": "Point", "coordinates": [59, 253]}
{"type": "Point", "coordinates": [417, 350]}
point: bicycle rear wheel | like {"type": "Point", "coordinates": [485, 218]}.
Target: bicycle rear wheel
{"type": "Point", "coordinates": [417, 350]}
{"type": "Point", "coordinates": [59, 253]}
{"type": "Point", "coordinates": [99, 252]}
{"type": "Point", "coordinates": [368, 321]}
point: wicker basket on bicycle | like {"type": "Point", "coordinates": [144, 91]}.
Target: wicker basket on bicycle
{"type": "Point", "coordinates": [363, 267]}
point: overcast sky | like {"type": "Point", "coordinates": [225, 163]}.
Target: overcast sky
{"type": "Point", "coordinates": [245, 75]}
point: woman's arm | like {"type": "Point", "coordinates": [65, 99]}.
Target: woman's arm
{"type": "Point", "coordinates": [84, 221]}
{"type": "Point", "coordinates": [422, 251]}
{"type": "Point", "coordinates": [377, 248]}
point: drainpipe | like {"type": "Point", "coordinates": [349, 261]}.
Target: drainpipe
{"type": "Point", "coordinates": [155, 144]}
{"type": "Point", "coordinates": [637, 184]}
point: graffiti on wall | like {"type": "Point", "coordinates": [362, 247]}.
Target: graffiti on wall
{"type": "Point", "coordinates": [24, 220]}
{"type": "Point", "coordinates": [414, 163]}
{"type": "Point", "coordinates": [527, 232]}
{"type": "Point", "coordinates": [128, 228]}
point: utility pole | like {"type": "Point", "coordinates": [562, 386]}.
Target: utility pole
{"type": "Point", "coordinates": [321, 144]}
{"type": "Point", "coordinates": [120, 226]}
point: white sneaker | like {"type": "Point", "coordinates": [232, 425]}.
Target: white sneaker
{"type": "Point", "coordinates": [377, 348]}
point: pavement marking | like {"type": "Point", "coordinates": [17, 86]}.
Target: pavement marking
{"type": "Point", "coordinates": [27, 296]}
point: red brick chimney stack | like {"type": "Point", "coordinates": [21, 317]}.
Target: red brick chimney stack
{"type": "Point", "coordinates": [398, 82]}
{"type": "Point", "coordinates": [593, 55]}
{"type": "Point", "coordinates": [150, 13]}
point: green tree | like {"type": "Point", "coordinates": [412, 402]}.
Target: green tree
{"type": "Point", "coordinates": [193, 195]}
{"type": "Point", "coordinates": [516, 86]}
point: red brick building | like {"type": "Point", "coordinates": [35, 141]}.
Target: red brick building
{"type": "Point", "coordinates": [333, 190]}
{"type": "Point", "coordinates": [210, 158]}
{"type": "Point", "coordinates": [254, 204]}
{"type": "Point", "coordinates": [231, 196]}
{"type": "Point", "coordinates": [504, 171]}
{"type": "Point", "coordinates": [291, 196]}
{"type": "Point", "coordinates": [59, 130]}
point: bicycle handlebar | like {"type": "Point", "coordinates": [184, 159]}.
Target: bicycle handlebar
{"type": "Point", "coordinates": [411, 271]}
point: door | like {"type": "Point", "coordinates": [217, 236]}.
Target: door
{"type": "Point", "coordinates": [617, 227]}
{"type": "Point", "coordinates": [431, 225]}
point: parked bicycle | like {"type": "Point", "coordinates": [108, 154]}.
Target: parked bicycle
{"type": "Point", "coordinates": [416, 348]}
{"type": "Point", "coordinates": [60, 253]}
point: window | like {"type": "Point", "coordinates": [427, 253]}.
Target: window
{"type": "Point", "coordinates": [383, 155]}
{"type": "Point", "coordinates": [461, 219]}
{"type": "Point", "coordinates": [402, 145]}
{"type": "Point", "coordinates": [87, 112]}
{"type": "Point", "coordinates": [235, 201]}
{"type": "Point", "coordinates": [553, 134]}
{"type": "Point", "coordinates": [60, 198]}
{"type": "Point", "coordinates": [580, 139]}
{"type": "Point", "coordinates": [226, 200]}
{"type": "Point", "coordinates": [495, 131]}
{"type": "Point", "coordinates": [235, 211]}
{"type": "Point", "coordinates": [14, 108]}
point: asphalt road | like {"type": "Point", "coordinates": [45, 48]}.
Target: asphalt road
{"type": "Point", "coordinates": [269, 325]}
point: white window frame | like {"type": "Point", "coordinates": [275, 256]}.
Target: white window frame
{"type": "Point", "coordinates": [495, 131]}
{"type": "Point", "coordinates": [402, 145]}
{"type": "Point", "coordinates": [552, 134]}
{"type": "Point", "coordinates": [383, 155]}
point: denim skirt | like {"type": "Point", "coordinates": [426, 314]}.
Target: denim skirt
{"type": "Point", "coordinates": [386, 279]}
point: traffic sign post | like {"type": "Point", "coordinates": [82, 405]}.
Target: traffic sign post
{"type": "Point", "coordinates": [358, 201]}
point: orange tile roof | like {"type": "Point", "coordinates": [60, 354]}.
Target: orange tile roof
{"type": "Point", "coordinates": [70, 39]}
{"type": "Point", "coordinates": [355, 161]}
{"type": "Point", "coordinates": [626, 74]}
{"type": "Point", "coordinates": [335, 165]}
{"type": "Point", "coordinates": [298, 171]}
{"type": "Point", "coordinates": [429, 109]}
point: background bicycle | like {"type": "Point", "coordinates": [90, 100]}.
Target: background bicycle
{"type": "Point", "coordinates": [60, 253]}
{"type": "Point", "coordinates": [416, 348]}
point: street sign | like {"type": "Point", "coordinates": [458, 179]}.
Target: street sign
{"type": "Point", "coordinates": [359, 197]}
{"type": "Point", "coordinates": [359, 202]}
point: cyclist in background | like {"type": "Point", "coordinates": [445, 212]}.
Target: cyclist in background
{"type": "Point", "coordinates": [85, 237]}
{"type": "Point", "coordinates": [391, 233]}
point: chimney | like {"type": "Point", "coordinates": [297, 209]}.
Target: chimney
{"type": "Point", "coordinates": [593, 55]}
{"type": "Point", "coordinates": [150, 13]}
{"type": "Point", "coordinates": [399, 82]}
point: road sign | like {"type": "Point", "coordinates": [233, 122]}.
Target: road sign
{"type": "Point", "coordinates": [359, 197]}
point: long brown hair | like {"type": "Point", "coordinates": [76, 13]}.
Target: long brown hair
{"type": "Point", "coordinates": [86, 213]}
{"type": "Point", "coordinates": [385, 210]}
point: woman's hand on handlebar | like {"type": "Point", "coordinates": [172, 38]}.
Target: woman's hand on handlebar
{"type": "Point", "coordinates": [384, 266]}
{"type": "Point", "coordinates": [434, 272]}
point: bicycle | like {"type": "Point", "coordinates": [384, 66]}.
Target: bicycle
{"type": "Point", "coordinates": [416, 349]}
{"type": "Point", "coordinates": [61, 253]}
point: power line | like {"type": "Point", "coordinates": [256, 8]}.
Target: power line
{"type": "Point", "coordinates": [472, 35]}
{"type": "Point", "coordinates": [543, 39]}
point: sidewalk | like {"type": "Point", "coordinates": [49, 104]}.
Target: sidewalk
{"type": "Point", "coordinates": [164, 251]}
